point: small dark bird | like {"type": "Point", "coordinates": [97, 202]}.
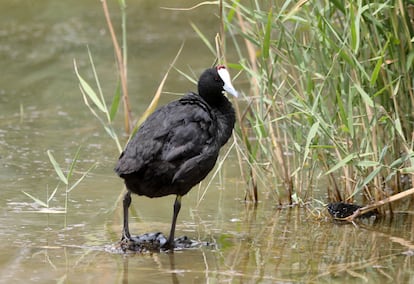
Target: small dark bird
{"type": "Point", "coordinates": [178, 144]}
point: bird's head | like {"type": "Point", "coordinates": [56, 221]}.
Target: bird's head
{"type": "Point", "coordinates": [213, 82]}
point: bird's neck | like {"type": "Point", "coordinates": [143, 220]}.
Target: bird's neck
{"type": "Point", "coordinates": [226, 118]}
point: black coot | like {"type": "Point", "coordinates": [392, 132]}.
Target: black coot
{"type": "Point", "coordinates": [178, 145]}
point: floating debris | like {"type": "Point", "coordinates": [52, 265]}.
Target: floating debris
{"type": "Point", "coordinates": [346, 211]}
{"type": "Point", "coordinates": [152, 242]}
{"type": "Point", "coordinates": [340, 210]}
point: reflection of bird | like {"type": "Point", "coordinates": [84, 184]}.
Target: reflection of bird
{"type": "Point", "coordinates": [178, 145]}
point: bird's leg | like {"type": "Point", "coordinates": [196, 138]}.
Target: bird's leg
{"type": "Point", "coordinates": [177, 207]}
{"type": "Point", "coordinates": [126, 202]}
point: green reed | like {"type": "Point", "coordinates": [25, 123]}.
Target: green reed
{"type": "Point", "coordinates": [66, 178]}
{"type": "Point", "coordinates": [329, 91]}
{"type": "Point", "coordinates": [106, 114]}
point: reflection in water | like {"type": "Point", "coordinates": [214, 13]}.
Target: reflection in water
{"type": "Point", "coordinates": [126, 275]}
{"type": "Point", "coordinates": [172, 268]}
{"type": "Point", "coordinates": [125, 271]}
{"type": "Point", "coordinates": [264, 245]}
{"type": "Point", "coordinates": [369, 250]}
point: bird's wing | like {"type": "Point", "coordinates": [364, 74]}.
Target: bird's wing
{"type": "Point", "coordinates": [145, 144]}
{"type": "Point", "coordinates": [193, 146]}
{"type": "Point", "coordinates": [175, 133]}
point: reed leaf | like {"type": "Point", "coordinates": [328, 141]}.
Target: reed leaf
{"type": "Point", "coordinates": [75, 184]}
{"type": "Point", "coordinates": [266, 39]}
{"type": "Point", "coordinates": [203, 38]}
{"type": "Point", "coordinates": [365, 97]}
{"type": "Point", "coordinates": [86, 88]}
{"type": "Point", "coordinates": [98, 84]}
{"type": "Point", "coordinates": [37, 200]}
{"type": "Point", "coordinates": [369, 178]}
{"type": "Point", "coordinates": [115, 102]}
{"type": "Point", "coordinates": [53, 194]}
{"type": "Point", "coordinates": [72, 165]}
{"type": "Point", "coordinates": [312, 133]}
{"type": "Point", "coordinates": [57, 168]}
{"type": "Point", "coordinates": [341, 163]}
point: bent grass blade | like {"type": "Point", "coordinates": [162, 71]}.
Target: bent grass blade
{"type": "Point", "coordinates": [57, 168]}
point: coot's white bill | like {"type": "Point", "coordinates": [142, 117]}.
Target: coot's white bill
{"type": "Point", "coordinates": [225, 76]}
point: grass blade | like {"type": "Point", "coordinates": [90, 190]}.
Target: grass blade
{"type": "Point", "coordinates": [88, 90]}
{"type": "Point", "coordinates": [72, 165]}
{"type": "Point", "coordinates": [81, 178]}
{"type": "Point", "coordinates": [115, 102]}
{"type": "Point", "coordinates": [354, 30]}
{"type": "Point", "coordinates": [203, 38]}
{"type": "Point", "coordinates": [370, 177]}
{"type": "Point", "coordinates": [376, 71]}
{"type": "Point", "coordinates": [53, 193]}
{"type": "Point", "coordinates": [365, 97]}
{"type": "Point", "coordinates": [268, 31]}
{"type": "Point", "coordinates": [57, 168]}
{"type": "Point", "coordinates": [38, 201]}
{"type": "Point", "coordinates": [342, 163]}
{"type": "Point", "coordinates": [98, 84]}
{"type": "Point", "coordinates": [312, 132]}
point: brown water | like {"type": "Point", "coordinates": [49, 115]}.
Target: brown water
{"type": "Point", "coordinates": [41, 108]}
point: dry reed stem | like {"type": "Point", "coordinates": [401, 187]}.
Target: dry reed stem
{"type": "Point", "coordinates": [121, 67]}
{"type": "Point", "coordinates": [278, 153]}
{"type": "Point", "coordinates": [220, 41]}
{"type": "Point", "coordinates": [252, 58]}
{"type": "Point", "coordinates": [154, 102]}
{"type": "Point", "coordinates": [193, 7]}
{"type": "Point", "coordinates": [251, 52]}
{"type": "Point", "coordinates": [377, 204]}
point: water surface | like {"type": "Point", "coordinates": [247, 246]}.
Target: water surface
{"type": "Point", "coordinates": [41, 109]}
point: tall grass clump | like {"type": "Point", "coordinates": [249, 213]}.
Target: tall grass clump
{"type": "Point", "coordinates": [329, 111]}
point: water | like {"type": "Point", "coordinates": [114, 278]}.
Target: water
{"type": "Point", "coordinates": [41, 109]}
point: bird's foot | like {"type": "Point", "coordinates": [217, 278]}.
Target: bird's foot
{"type": "Point", "coordinates": [155, 242]}
{"type": "Point", "coordinates": [168, 246]}
{"type": "Point", "coordinates": [180, 243]}
{"type": "Point", "coordinates": [142, 243]}
{"type": "Point", "coordinates": [125, 234]}
{"type": "Point", "coordinates": [126, 241]}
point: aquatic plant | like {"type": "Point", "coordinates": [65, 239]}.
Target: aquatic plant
{"type": "Point", "coordinates": [65, 178]}
{"type": "Point", "coordinates": [329, 96]}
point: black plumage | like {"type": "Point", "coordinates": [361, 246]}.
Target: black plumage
{"type": "Point", "coordinates": [178, 145]}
